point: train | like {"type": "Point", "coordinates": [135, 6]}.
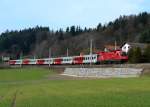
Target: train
{"type": "Point", "coordinates": [115, 56]}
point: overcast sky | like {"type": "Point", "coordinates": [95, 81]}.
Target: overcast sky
{"type": "Point", "coordinates": [20, 14]}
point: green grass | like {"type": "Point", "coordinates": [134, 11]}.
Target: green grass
{"type": "Point", "coordinates": [130, 92]}
{"type": "Point", "coordinates": [21, 74]}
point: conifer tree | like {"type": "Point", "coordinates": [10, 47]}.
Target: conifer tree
{"type": "Point", "coordinates": [146, 54]}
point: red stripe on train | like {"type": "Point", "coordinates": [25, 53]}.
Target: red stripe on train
{"type": "Point", "coordinates": [58, 61]}
{"type": "Point", "coordinates": [26, 61]}
{"type": "Point", "coordinates": [12, 62]}
{"type": "Point", "coordinates": [78, 60]}
{"type": "Point", "coordinates": [40, 61]}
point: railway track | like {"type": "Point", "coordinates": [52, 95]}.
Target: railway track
{"type": "Point", "coordinates": [144, 65]}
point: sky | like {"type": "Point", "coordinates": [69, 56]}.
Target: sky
{"type": "Point", "coordinates": [20, 14]}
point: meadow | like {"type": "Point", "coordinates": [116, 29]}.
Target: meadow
{"type": "Point", "coordinates": [31, 87]}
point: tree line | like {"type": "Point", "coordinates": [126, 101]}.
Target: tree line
{"type": "Point", "coordinates": [37, 41]}
{"type": "Point", "coordinates": [136, 55]}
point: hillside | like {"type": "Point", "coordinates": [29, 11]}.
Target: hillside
{"type": "Point", "coordinates": [37, 41]}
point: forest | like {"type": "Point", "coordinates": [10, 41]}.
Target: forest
{"type": "Point", "coordinates": [36, 42]}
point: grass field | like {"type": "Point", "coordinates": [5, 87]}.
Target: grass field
{"type": "Point", "coordinates": [22, 74]}
{"type": "Point", "coordinates": [32, 88]}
